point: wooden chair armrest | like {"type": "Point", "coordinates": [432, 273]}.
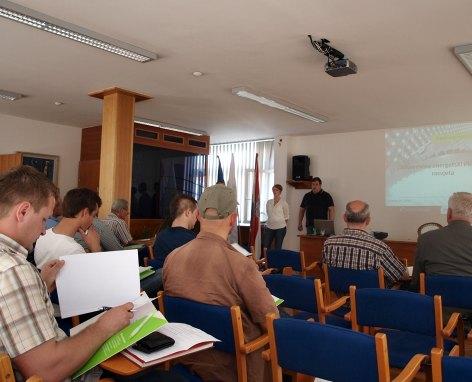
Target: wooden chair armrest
{"type": "Point", "coordinates": [451, 324]}
{"type": "Point", "coordinates": [253, 345]}
{"type": "Point", "coordinates": [311, 266]}
{"type": "Point", "coordinates": [268, 271]}
{"type": "Point", "coordinates": [266, 355]}
{"type": "Point", "coordinates": [35, 378]}
{"type": "Point", "coordinates": [337, 304]}
{"type": "Point", "coordinates": [455, 352]}
{"type": "Point", "coordinates": [411, 369]}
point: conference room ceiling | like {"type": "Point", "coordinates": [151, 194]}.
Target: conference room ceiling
{"type": "Point", "coordinates": [408, 75]}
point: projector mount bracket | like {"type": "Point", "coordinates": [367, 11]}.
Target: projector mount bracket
{"type": "Point", "coordinates": [323, 47]}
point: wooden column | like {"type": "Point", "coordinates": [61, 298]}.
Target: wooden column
{"type": "Point", "coordinates": [116, 158]}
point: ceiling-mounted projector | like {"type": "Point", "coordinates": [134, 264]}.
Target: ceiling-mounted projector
{"type": "Point", "coordinates": [338, 65]}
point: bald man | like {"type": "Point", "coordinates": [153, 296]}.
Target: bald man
{"type": "Point", "coordinates": [355, 248]}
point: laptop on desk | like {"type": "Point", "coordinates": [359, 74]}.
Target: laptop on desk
{"type": "Point", "coordinates": [323, 227]}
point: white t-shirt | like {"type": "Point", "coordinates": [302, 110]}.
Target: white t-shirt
{"type": "Point", "coordinates": [52, 245]}
{"type": "Point", "coordinates": [276, 214]}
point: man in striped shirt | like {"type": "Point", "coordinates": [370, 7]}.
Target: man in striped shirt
{"type": "Point", "coordinates": [357, 249]}
{"type": "Point", "coordinates": [116, 221]}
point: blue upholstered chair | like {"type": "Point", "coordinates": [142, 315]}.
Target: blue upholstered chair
{"type": "Point", "coordinates": [221, 322]}
{"type": "Point", "coordinates": [338, 280]}
{"type": "Point", "coordinates": [450, 368]}
{"type": "Point", "coordinates": [411, 321]}
{"type": "Point", "coordinates": [289, 261]}
{"type": "Point", "coordinates": [305, 296]}
{"type": "Point", "coordinates": [329, 352]}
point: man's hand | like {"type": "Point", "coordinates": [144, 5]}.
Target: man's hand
{"type": "Point", "coordinates": [115, 319]}
{"type": "Point", "coordinates": [300, 227]}
{"type": "Point", "coordinates": [91, 238]}
{"type": "Point", "coordinates": [49, 273]}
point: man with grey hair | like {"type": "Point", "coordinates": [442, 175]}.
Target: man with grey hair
{"type": "Point", "coordinates": [357, 249]}
{"type": "Point", "coordinates": [448, 250]}
{"type": "Point", "coordinates": [116, 221]}
{"type": "Point", "coordinates": [209, 270]}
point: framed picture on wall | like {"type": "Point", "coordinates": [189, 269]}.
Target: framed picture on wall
{"type": "Point", "coordinates": [47, 164]}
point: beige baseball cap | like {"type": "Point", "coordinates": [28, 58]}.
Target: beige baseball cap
{"type": "Point", "coordinates": [221, 198]}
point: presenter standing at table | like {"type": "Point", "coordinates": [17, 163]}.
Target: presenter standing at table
{"type": "Point", "coordinates": [318, 204]}
{"type": "Point", "coordinates": [277, 217]}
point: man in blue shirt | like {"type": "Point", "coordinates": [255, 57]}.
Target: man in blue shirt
{"type": "Point", "coordinates": [183, 216]}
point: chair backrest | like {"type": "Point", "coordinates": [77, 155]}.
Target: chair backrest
{"type": "Point", "coordinates": [297, 292]}
{"type": "Point", "coordinates": [6, 371]}
{"type": "Point", "coordinates": [213, 319]}
{"type": "Point", "coordinates": [450, 369]}
{"type": "Point", "coordinates": [285, 258]}
{"type": "Point", "coordinates": [339, 279]}
{"type": "Point", "coordinates": [455, 291]}
{"type": "Point", "coordinates": [394, 309]}
{"type": "Point", "coordinates": [426, 227]}
{"type": "Point", "coordinates": [319, 350]}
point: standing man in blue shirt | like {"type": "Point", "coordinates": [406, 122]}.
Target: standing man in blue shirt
{"type": "Point", "coordinates": [183, 216]}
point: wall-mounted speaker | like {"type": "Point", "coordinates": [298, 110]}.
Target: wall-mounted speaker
{"type": "Point", "coordinates": [301, 167]}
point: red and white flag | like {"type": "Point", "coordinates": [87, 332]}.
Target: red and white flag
{"type": "Point", "coordinates": [254, 233]}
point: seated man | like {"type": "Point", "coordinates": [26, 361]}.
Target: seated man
{"type": "Point", "coordinates": [211, 271]}
{"type": "Point", "coordinates": [357, 249]}
{"type": "Point", "coordinates": [80, 206]}
{"type": "Point", "coordinates": [29, 333]}
{"type": "Point", "coordinates": [108, 240]}
{"type": "Point", "coordinates": [448, 250]}
{"type": "Point", "coordinates": [115, 221]}
{"type": "Point", "coordinates": [183, 215]}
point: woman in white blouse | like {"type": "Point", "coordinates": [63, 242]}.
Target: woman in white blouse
{"type": "Point", "coordinates": [277, 216]}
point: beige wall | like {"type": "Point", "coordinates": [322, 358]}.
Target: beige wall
{"type": "Point", "coordinates": [20, 134]}
{"type": "Point", "coordinates": [351, 166]}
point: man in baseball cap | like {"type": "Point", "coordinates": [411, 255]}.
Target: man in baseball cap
{"type": "Point", "coordinates": [209, 270]}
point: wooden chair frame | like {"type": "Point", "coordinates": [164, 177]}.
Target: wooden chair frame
{"type": "Point", "coordinates": [442, 333]}
{"type": "Point", "coordinates": [242, 348]}
{"type": "Point", "coordinates": [6, 371]}
{"type": "Point", "coordinates": [436, 362]}
{"type": "Point", "coordinates": [324, 310]}
{"type": "Point", "coordinates": [328, 293]}
{"type": "Point", "coordinates": [383, 368]}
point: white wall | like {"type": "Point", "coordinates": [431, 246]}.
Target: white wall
{"type": "Point", "coordinates": [351, 166]}
{"type": "Point", "coordinates": [20, 134]}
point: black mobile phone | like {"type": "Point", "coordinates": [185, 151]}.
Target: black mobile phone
{"type": "Point", "coordinates": [153, 342]}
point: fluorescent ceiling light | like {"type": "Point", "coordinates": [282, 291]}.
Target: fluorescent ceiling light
{"type": "Point", "coordinates": [50, 24]}
{"type": "Point", "coordinates": [245, 93]}
{"type": "Point", "coordinates": [10, 96]}
{"type": "Point", "coordinates": [168, 126]}
{"type": "Point", "coordinates": [464, 54]}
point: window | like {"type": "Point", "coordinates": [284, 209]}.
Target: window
{"type": "Point", "coordinates": [244, 159]}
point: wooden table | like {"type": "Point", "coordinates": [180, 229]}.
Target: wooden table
{"type": "Point", "coordinates": [312, 246]}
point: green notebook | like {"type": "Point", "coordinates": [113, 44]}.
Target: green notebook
{"type": "Point", "coordinates": [277, 300]}
{"type": "Point", "coordinates": [146, 273]}
{"type": "Point", "coordinates": [134, 246]}
{"type": "Point", "coordinates": [122, 340]}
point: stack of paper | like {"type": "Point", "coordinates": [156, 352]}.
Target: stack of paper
{"type": "Point", "coordinates": [145, 272]}
{"type": "Point", "coordinates": [187, 340]}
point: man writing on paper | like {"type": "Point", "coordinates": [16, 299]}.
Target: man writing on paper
{"type": "Point", "coordinates": [209, 270]}
{"type": "Point", "coordinates": [80, 206]}
{"type": "Point", "coordinates": [28, 331]}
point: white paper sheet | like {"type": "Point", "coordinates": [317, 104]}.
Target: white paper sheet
{"type": "Point", "coordinates": [240, 249]}
{"type": "Point", "coordinates": [185, 337]}
{"type": "Point", "coordinates": [90, 281]}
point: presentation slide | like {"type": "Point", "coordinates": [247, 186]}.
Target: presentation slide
{"type": "Point", "coordinates": [425, 165]}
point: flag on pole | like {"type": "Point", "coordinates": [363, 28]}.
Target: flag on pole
{"type": "Point", "coordinates": [254, 234]}
{"type": "Point", "coordinates": [221, 178]}
{"type": "Point", "coordinates": [233, 235]}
